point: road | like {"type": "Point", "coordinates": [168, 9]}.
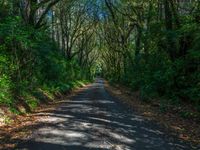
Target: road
{"type": "Point", "coordinates": [94, 120]}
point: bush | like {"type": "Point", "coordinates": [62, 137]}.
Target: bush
{"type": "Point", "coordinates": [31, 65]}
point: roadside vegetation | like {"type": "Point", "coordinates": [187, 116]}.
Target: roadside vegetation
{"type": "Point", "coordinates": [35, 63]}
{"type": "Point", "coordinates": [148, 48]}
{"type": "Point", "coordinates": [153, 47]}
{"type": "Point", "coordinates": [49, 47]}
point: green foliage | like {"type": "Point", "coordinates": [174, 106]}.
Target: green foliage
{"type": "Point", "coordinates": [5, 87]}
{"type": "Point", "coordinates": [160, 76]}
{"type": "Point", "coordinates": [162, 57]}
{"type": "Point", "coordinates": [32, 68]}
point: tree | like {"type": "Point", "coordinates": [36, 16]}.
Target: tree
{"type": "Point", "coordinates": [34, 11]}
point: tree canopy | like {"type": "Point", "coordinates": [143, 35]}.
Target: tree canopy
{"type": "Point", "coordinates": [152, 46]}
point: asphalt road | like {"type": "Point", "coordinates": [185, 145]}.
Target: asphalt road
{"type": "Point", "coordinates": [94, 120]}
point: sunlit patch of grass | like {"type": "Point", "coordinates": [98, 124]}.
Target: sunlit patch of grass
{"type": "Point", "coordinates": [46, 94]}
{"type": "Point", "coordinates": [41, 95]}
{"type": "Point", "coordinates": [30, 100]}
{"type": "Point", "coordinates": [7, 120]}
{"type": "Point", "coordinates": [5, 92]}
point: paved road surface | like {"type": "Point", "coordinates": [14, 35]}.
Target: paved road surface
{"type": "Point", "coordinates": [94, 120]}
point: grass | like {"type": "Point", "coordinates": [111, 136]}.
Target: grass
{"type": "Point", "coordinates": [41, 95]}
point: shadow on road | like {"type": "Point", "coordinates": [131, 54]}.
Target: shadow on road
{"type": "Point", "coordinates": [94, 120]}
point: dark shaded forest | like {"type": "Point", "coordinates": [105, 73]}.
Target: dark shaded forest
{"type": "Point", "coordinates": [48, 47]}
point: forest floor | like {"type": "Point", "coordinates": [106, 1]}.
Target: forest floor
{"type": "Point", "coordinates": [91, 118]}
{"type": "Point", "coordinates": [20, 127]}
{"type": "Point", "coordinates": [184, 127]}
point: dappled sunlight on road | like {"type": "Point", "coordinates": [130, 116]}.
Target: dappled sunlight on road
{"type": "Point", "coordinates": [95, 120]}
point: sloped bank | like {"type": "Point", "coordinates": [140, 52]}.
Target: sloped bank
{"type": "Point", "coordinates": [19, 127]}
{"type": "Point", "coordinates": [184, 128]}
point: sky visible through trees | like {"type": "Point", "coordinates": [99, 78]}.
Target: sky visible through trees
{"type": "Point", "coordinates": [50, 46]}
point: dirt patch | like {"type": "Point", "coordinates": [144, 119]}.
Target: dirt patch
{"type": "Point", "coordinates": [185, 129]}
{"type": "Point", "coordinates": [20, 127]}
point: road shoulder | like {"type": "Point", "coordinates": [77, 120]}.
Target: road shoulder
{"type": "Point", "coordinates": [184, 129]}
{"type": "Point", "coordinates": [21, 127]}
